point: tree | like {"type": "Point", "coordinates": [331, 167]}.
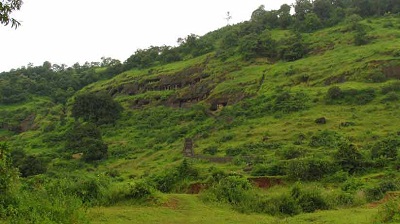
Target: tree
{"type": "Point", "coordinates": [94, 150]}
{"type": "Point", "coordinates": [323, 9]}
{"type": "Point", "coordinates": [258, 15]}
{"type": "Point", "coordinates": [266, 45]}
{"type": "Point", "coordinates": [284, 17]}
{"type": "Point", "coordinates": [99, 108]}
{"type": "Point", "coordinates": [8, 182]}
{"type": "Point", "coordinates": [311, 23]}
{"type": "Point", "coordinates": [360, 35]}
{"type": "Point", "coordinates": [292, 47]}
{"type": "Point", "coordinates": [302, 8]}
{"type": "Point", "coordinates": [86, 138]}
{"type": "Point", "coordinates": [79, 132]}
{"type": "Point", "coordinates": [6, 8]}
{"type": "Point", "coordinates": [248, 46]}
{"type": "Point", "coordinates": [31, 166]}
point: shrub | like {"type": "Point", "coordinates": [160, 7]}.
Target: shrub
{"type": "Point", "coordinates": [386, 148]}
{"type": "Point", "coordinates": [32, 165]}
{"type": "Point", "coordinates": [391, 97]}
{"type": "Point", "coordinates": [292, 47]}
{"type": "Point", "coordinates": [275, 169]}
{"type": "Point", "coordinates": [352, 185]}
{"type": "Point", "coordinates": [310, 168]}
{"type": "Point", "coordinates": [227, 137]}
{"type": "Point", "coordinates": [326, 138]}
{"type": "Point", "coordinates": [234, 151]}
{"type": "Point", "coordinates": [281, 205]}
{"type": "Point", "coordinates": [232, 189]}
{"type": "Point", "coordinates": [292, 153]}
{"type": "Point", "coordinates": [86, 138]}
{"type": "Point", "coordinates": [309, 200]}
{"type": "Point", "coordinates": [286, 102]}
{"type": "Point", "coordinates": [338, 177]}
{"type": "Point", "coordinates": [212, 150]}
{"type": "Point", "coordinates": [170, 179]}
{"type": "Point", "coordinates": [235, 191]}
{"type": "Point", "coordinates": [360, 35]}
{"type": "Point", "coordinates": [392, 87]}
{"type": "Point", "coordinates": [49, 204]}
{"type": "Point", "coordinates": [139, 190]}
{"type": "Point", "coordinates": [376, 192]}
{"type": "Point", "coordinates": [364, 96]}
{"type": "Point", "coordinates": [348, 157]}
{"type": "Point", "coordinates": [389, 213]}
{"type": "Point", "coordinates": [334, 93]}
{"type": "Point", "coordinates": [351, 96]}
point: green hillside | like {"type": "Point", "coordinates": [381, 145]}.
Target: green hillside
{"type": "Point", "coordinates": [280, 119]}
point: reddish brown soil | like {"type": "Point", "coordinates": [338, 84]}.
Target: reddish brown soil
{"type": "Point", "coordinates": [195, 188]}
{"type": "Point", "coordinates": [390, 195]}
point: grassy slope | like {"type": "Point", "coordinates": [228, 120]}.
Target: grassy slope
{"type": "Point", "coordinates": [189, 209]}
{"type": "Point", "coordinates": [325, 62]}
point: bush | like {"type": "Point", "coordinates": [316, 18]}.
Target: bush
{"type": "Point", "coordinates": [391, 97]}
{"type": "Point", "coordinates": [360, 36]}
{"type": "Point", "coordinates": [334, 93]}
{"type": "Point", "coordinates": [49, 204]}
{"type": "Point", "coordinates": [32, 165]}
{"type": "Point", "coordinates": [326, 138]}
{"type": "Point", "coordinates": [275, 169]}
{"type": "Point", "coordinates": [348, 157]}
{"type": "Point", "coordinates": [139, 190]}
{"type": "Point", "coordinates": [234, 151]}
{"type": "Point", "coordinates": [171, 179]}
{"type": "Point", "coordinates": [292, 153]}
{"type": "Point", "coordinates": [286, 102]}
{"type": "Point", "coordinates": [338, 177]}
{"type": "Point", "coordinates": [212, 150]}
{"type": "Point", "coordinates": [235, 191]}
{"type": "Point", "coordinates": [309, 200]}
{"type": "Point", "coordinates": [389, 213]}
{"type": "Point", "coordinates": [86, 138]}
{"type": "Point", "coordinates": [377, 192]}
{"type": "Point", "coordinates": [351, 96]}
{"type": "Point", "coordinates": [281, 205]}
{"type": "Point", "coordinates": [386, 148]}
{"type": "Point", "coordinates": [352, 185]}
{"type": "Point", "coordinates": [392, 87]}
{"type": "Point", "coordinates": [309, 169]}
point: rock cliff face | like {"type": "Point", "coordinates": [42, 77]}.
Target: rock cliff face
{"type": "Point", "coordinates": [185, 88]}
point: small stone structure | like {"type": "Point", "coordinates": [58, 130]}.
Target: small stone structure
{"type": "Point", "coordinates": [188, 148]}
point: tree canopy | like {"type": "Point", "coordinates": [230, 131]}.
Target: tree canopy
{"type": "Point", "coordinates": [99, 108]}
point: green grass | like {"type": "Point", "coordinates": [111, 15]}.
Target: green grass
{"type": "Point", "coordinates": [189, 209]}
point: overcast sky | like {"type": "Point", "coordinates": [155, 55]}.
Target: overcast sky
{"type": "Point", "coordinates": [69, 31]}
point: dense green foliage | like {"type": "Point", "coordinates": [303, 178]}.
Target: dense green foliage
{"type": "Point", "coordinates": [86, 139]}
{"type": "Point", "coordinates": [99, 108]}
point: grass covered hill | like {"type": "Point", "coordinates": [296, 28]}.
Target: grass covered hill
{"type": "Point", "coordinates": [255, 122]}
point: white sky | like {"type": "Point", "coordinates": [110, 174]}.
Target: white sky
{"type": "Point", "coordinates": [69, 31]}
